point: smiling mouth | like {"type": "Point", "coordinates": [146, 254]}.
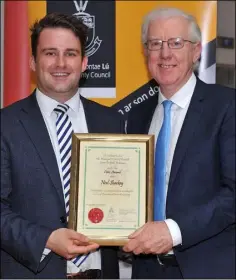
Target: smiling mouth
{"type": "Point", "coordinates": [60, 74]}
{"type": "Point", "coordinates": [166, 66]}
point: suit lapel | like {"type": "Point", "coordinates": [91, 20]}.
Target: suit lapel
{"type": "Point", "coordinates": [139, 120]}
{"type": "Point", "coordinates": [32, 120]}
{"type": "Point", "coordinates": [187, 132]}
{"type": "Point", "coordinates": [94, 126]}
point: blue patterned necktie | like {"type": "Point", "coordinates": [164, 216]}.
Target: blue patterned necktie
{"type": "Point", "coordinates": [64, 136]}
{"type": "Point", "coordinates": [161, 152]}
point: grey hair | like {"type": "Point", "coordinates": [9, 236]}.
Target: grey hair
{"type": "Point", "coordinates": [194, 30]}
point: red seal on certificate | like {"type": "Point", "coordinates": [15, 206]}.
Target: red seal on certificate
{"type": "Point", "coordinates": [95, 215]}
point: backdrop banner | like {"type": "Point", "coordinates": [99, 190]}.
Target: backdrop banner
{"type": "Point", "coordinates": [117, 74]}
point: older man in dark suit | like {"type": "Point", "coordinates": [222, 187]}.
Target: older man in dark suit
{"type": "Point", "coordinates": [35, 162]}
{"type": "Point", "coordinates": [193, 235]}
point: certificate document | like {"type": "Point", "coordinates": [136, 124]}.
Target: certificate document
{"type": "Point", "coordinates": [111, 186]}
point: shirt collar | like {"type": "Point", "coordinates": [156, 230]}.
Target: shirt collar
{"type": "Point", "coordinates": [183, 96]}
{"type": "Point", "coordinates": [48, 104]}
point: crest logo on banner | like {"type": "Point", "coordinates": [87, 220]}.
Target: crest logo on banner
{"type": "Point", "coordinates": [93, 43]}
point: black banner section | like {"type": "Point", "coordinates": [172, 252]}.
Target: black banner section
{"type": "Point", "coordinates": [100, 17]}
{"type": "Point", "coordinates": [140, 95]}
{"type": "Point", "coordinates": [209, 54]}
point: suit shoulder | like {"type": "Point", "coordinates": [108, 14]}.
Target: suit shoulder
{"type": "Point", "coordinates": [220, 92]}
{"type": "Point", "coordinates": [10, 115]}
{"type": "Point", "coordinates": [102, 110]}
{"type": "Point", "coordinates": [13, 108]}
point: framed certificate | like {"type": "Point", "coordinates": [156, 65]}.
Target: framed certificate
{"type": "Point", "coordinates": [111, 192]}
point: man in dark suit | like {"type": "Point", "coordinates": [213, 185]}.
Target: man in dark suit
{"type": "Point", "coordinates": [35, 242]}
{"type": "Point", "coordinates": [193, 232]}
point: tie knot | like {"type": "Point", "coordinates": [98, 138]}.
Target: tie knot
{"type": "Point", "coordinates": [61, 108]}
{"type": "Point", "coordinates": [167, 104]}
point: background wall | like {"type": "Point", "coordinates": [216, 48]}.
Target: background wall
{"type": "Point", "coordinates": [225, 58]}
{"type": "Point", "coordinates": [116, 73]}
{"type": "Point", "coordinates": [1, 51]}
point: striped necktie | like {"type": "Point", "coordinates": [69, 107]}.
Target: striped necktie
{"type": "Point", "coordinates": [161, 152]}
{"type": "Point", "coordinates": [64, 137]}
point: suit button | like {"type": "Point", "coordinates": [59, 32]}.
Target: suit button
{"type": "Point", "coordinates": [62, 219]}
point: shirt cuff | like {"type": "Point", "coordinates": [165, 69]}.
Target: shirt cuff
{"type": "Point", "coordinates": [174, 232]}
{"type": "Point", "coordinates": [46, 251]}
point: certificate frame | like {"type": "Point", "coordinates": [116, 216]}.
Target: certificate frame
{"type": "Point", "coordinates": [118, 237]}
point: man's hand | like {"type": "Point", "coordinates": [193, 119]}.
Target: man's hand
{"type": "Point", "coordinates": [69, 243]}
{"type": "Point", "coordinates": [151, 238]}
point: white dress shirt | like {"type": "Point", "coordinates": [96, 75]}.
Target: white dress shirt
{"type": "Point", "coordinates": [79, 125]}
{"type": "Point", "coordinates": [181, 100]}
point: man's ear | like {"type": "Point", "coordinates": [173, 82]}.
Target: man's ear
{"type": "Point", "coordinates": [145, 51]}
{"type": "Point", "coordinates": [197, 52]}
{"type": "Point", "coordinates": [32, 64]}
{"type": "Point", "coordinates": [84, 63]}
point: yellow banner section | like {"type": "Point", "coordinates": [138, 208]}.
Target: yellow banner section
{"type": "Point", "coordinates": [131, 72]}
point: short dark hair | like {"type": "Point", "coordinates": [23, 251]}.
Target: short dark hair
{"type": "Point", "coordinates": [58, 20]}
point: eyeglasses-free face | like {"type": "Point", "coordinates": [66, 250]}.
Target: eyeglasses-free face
{"type": "Point", "coordinates": [59, 63]}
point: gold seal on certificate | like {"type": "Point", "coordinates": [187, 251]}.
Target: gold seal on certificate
{"type": "Point", "coordinates": [111, 193]}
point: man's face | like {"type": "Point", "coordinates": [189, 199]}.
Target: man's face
{"type": "Point", "coordinates": [171, 68]}
{"type": "Point", "coordinates": [58, 63]}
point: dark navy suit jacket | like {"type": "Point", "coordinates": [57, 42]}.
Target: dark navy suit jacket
{"type": "Point", "coordinates": [201, 191]}
{"type": "Point", "coordinates": [32, 203]}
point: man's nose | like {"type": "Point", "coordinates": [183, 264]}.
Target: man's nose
{"type": "Point", "coordinates": [61, 60]}
{"type": "Point", "coordinates": [165, 50]}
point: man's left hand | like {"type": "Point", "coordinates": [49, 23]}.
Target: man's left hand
{"type": "Point", "coordinates": [151, 238]}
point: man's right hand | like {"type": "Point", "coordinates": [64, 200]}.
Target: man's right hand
{"type": "Point", "coordinates": [69, 243]}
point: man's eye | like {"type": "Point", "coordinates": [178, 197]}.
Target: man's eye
{"type": "Point", "coordinates": [176, 44]}
{"type": "Point", "coordinates": [50, 53]}
{"type": "Point", "coordinates": [71, 54]}
{"type": "Point", "coordinates": [155, 43]}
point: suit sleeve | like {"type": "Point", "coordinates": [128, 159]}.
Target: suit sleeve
{"type": "Point", "coordinates": [23, 240]}
{"type": "Point", "coordinates": [213, 216]}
